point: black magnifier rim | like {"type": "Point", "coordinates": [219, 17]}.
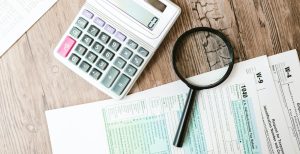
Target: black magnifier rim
{"type": "Point", "coordinates": [202, 29]}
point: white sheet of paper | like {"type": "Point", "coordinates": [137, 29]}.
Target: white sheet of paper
{"type": "Point", "coordinates": [17, 16]}
{"type": "Point", "coordinates": [146, 122]}
{"type": "Point", "coordinates": [286, 73]}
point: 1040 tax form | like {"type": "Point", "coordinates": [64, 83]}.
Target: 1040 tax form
{"type": "Point", "coordinates": [245, 114]}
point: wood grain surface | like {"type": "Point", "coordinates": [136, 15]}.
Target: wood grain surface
{"type": "Point", "coordinates": [32, 80]}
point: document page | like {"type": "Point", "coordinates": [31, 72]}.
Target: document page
{"type": "Point", "coordinates": [242, 115]}
{"type": "Point", "coordinates": [286, 73]}
{"type": "Point", "coordinates": [17, 16]}
{"type": "Point", "coordinates": [223, 121]}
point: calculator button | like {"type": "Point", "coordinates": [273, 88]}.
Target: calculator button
{"type": "Point", "coordinates": [84, 66]}
{"type": "Point", "coordinates": [104, 38]}
{"type": "Point", "coordinates": [87, 40]}
{"type": "Point", "coordinates": [126, 53]}
{"type": "Point", "coordinates": [82, 23]}
{"type": "Point", "coordinates": [121, 84]}
{"type": "Point", "coordinates": [120, 63]}
{"type": "Point", "coordinates": [108, 55]}
{"type": "Point", "coordinates": [80, 49]}
{"type": "Point", "coordinates": [130, 70]}
{"type": "Point", "coordinates": [99, 22]}
{"type": "Point", "coordinates": [110, 29]}
{"type": "Point", "coordinates": [110, 77]}
{"type": "Point", "coordinates": [137, 60]}
{"type": "Point", "coordinates": [95, 74]}
{"type": "Point", "coordinates": [97, 47]}
{"type": "Point", "coordinates": [102, 64]}
{"type": "Point", "coordinates": [66, 46]}
{"type": "Point", "coordinates": [74, 59]}
{"type": "Point", "coordinates": [120, 36]}
{"type": "Point", "coordinates": [143, 52]}
{"type": "Point", "coordinates": [75, 32]}
{"type": "Point", "coordinates": [132, 44]}
{"type": "Point", "coordinates": [88, 14]}
{"type": "Point", "coordinates": [93, 30]}
{"type": "Point", "coordinates": [114, 45]}
{"type": "Point", "coordinates": [91, 57]}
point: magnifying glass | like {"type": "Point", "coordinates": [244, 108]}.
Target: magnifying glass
{"type": "Point", "coordinates": [200, 51]}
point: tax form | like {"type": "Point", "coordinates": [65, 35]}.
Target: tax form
{"type": "Point", "coordinates": [17, 16]}
{"type": "Point", "coordinates": [286, 73]}
{"type": "Point", "coordinates": [242, 115]}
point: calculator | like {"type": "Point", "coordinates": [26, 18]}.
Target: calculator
{"type": "Point", "coordinates": [110, 42]}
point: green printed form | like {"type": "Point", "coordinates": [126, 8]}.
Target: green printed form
{"type": "Point", "coordinates": [245, 126]}
{"type": "Point", "coordinates": [195, 138]}
{"type": "Point", "coordinates": [149, 126]}
{"type": "Point", "coordinates": [147, 134]}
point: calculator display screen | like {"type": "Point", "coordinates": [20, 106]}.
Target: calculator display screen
{"type": "Point", "coordinates": [136, 11]}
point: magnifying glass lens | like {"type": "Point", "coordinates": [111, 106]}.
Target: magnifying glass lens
{"type": "Point", "coordinates": [199, 53]}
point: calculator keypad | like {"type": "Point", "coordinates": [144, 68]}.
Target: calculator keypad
{"type": "Point", "coordinates": [105, 54]}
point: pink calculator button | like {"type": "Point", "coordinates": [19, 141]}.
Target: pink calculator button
{"type": "Point", "coordinates": [66, 46]}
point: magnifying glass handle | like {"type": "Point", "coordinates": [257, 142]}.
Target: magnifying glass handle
{"type": "Point", "coordinates": [184, 120]}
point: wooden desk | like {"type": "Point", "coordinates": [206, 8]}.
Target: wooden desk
{"type": "Point", "coordinates": [32, 81]}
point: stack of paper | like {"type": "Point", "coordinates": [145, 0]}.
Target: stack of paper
{"type": "Point", "coordinates": [17, 16]}
{"type": "Point", "coordinates": [255, 111]}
